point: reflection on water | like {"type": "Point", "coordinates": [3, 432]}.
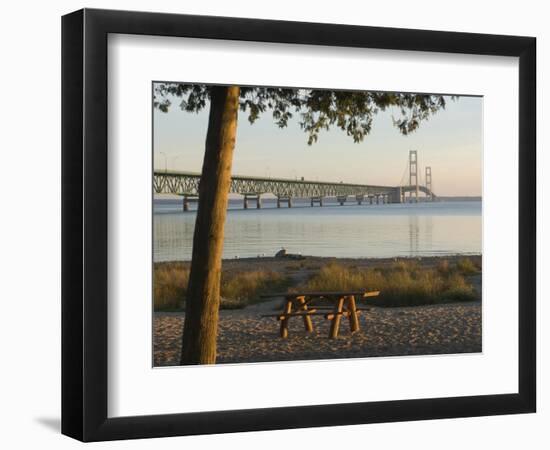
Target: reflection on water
{"type": "Point", "coordinates": [342, 231]}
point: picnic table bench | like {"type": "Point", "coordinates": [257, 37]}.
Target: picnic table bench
{"type": "Point", "coordinates": [299, 304]}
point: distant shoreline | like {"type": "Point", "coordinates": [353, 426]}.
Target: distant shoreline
{"type": "Point", "coordinates": [425, 260]}
{"type": "Point", "coordinates": [460, 199]}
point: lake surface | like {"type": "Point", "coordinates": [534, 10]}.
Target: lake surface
{"type": "Point", "coordinates": [423, 229]}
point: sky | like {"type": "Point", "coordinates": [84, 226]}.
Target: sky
{"type": "Point", "coordinates": [450, 142]}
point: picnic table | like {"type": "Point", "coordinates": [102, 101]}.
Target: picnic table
{"type": "Point", "coordinates": [300, 304]}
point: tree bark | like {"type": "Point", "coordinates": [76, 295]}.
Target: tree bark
{"type": "Point", "coordinates": [203, 292]}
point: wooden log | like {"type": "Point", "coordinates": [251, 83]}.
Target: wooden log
{"type": "Point", "coordinates": [332, 315]}
{"type": "Point", "coordinates": [307, 319]}
{"type": "Point", "coordinates": [281, 316]}
{"type": "Point", "coordinates": [353, 316]}
{"type": "Point", "coordinates": [284, 322]}
{"type": "Point", "coordinates": [371, 294]}
{"type": "Point", "coordinates": [335, 325]}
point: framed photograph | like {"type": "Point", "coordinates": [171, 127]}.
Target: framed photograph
{"type": "Point", "coordinates": [273, 225]}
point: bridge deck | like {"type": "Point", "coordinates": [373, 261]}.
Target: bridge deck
{"type": "Point", "coordinates": [182, 183]}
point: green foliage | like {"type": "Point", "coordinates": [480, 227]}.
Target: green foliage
{"type": "Point", "coordinates": [318, 109]}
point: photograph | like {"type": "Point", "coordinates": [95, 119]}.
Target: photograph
{"type": "Point", "coordinates": [248, 225]}
{"type": "Point", "coordinates": [300, 224]}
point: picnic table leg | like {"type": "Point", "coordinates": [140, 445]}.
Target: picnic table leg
{"type": "Point", "coordinates": [307, 319]}
{"type": "Point", "coordinates": [335, 325]}
{"type": "Point", "coordinates": [353, 318]}
{"type": "Point", "coordinates": [284, 322]}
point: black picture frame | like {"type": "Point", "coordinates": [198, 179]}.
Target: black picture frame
{"type": "Point", "coordinates": [84, 224]}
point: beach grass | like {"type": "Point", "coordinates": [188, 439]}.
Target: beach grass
{"type": "Point", "coordinates": [238, 288]}
{"type": "Point", "coordinates": [467, 266]}
{"type": "Point", "coordinates": [404, 283]}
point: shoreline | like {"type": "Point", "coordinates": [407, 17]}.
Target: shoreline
{"type": "Point", "coordinates": [427, 259]}
{"type": "Point", "coordinates": [245, 335]}
{"type": "Point", "coordinates": [309, 265]}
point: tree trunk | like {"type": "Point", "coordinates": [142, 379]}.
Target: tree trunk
{"type": "Point", "coordinates": [203, 292]}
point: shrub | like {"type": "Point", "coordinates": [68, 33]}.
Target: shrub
{"type": "Point", "coordinates": [466, 266]}
{"type": "Point", "coordinates": [458, 290]}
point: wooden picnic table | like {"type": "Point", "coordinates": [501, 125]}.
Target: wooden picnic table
{"type": "Point", "coordinates": [299, 304]}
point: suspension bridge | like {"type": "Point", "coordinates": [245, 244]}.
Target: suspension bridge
{"type": "Point", "coordinates": [186, 185]}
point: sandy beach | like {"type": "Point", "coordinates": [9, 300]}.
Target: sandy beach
{"type": "Point", "coordinates": [245, 336]}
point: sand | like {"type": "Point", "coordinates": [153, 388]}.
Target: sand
{"type": "Point", "coordinates": [245, 336]}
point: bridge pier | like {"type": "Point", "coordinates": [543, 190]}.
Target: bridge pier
{"type": "Point", "coordinates": [318, 199]}
{"type": "Point", "coordinates": [396, 195]}
{"type": "Point", "coordinates": [188, 198]}
{"type": "Point", "coordinates": [371, 199]}
{"type": "Point", "coordinates": [341, 199]}
{"type": "Point", "coordinates": [359, 198]}
{"type": "Point", "coordinates": [284, 199]}
{"type": "Point", "coordinates": [256, 197]}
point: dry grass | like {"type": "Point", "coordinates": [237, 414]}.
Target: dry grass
{"type": "Point", "coordinates": [467, 267]}
{"type": "Point", "coordinates": [444, 267]}
{"type": "Point", "coordinates": [243, 288]}
{"type": "Point", "coordinates": [169, 286]}
{"type": "Point", "coordinates": [238, 289]}
{"type": "Point", "coordinates": [405, 283]}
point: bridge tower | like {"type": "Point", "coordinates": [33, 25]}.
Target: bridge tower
{"type": "Point", "coordinates": [429, 182]}
{"type": "Point", "coordinates": [413, 173]}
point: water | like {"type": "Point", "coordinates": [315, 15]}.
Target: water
{"type": "Point", "coordinates": [423, 229]}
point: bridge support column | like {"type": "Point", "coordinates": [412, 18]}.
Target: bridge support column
{"type": "Point", "coordinates": [318, 199]}
{"type": "Point", "coordinates": [284, 199]}
{"type": "Point", "coordinates": [341, 199]}
{"type": "Point", "coordinates": [359, 198]}
{"type": "Point", "coordinates": [396, 195]}
{"type": "Point", "coordinates": [247, 197]}
{"type": "Point", "coordinates": [187, 198]}
{"type": "Point", "coordinates": [377, 199]}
